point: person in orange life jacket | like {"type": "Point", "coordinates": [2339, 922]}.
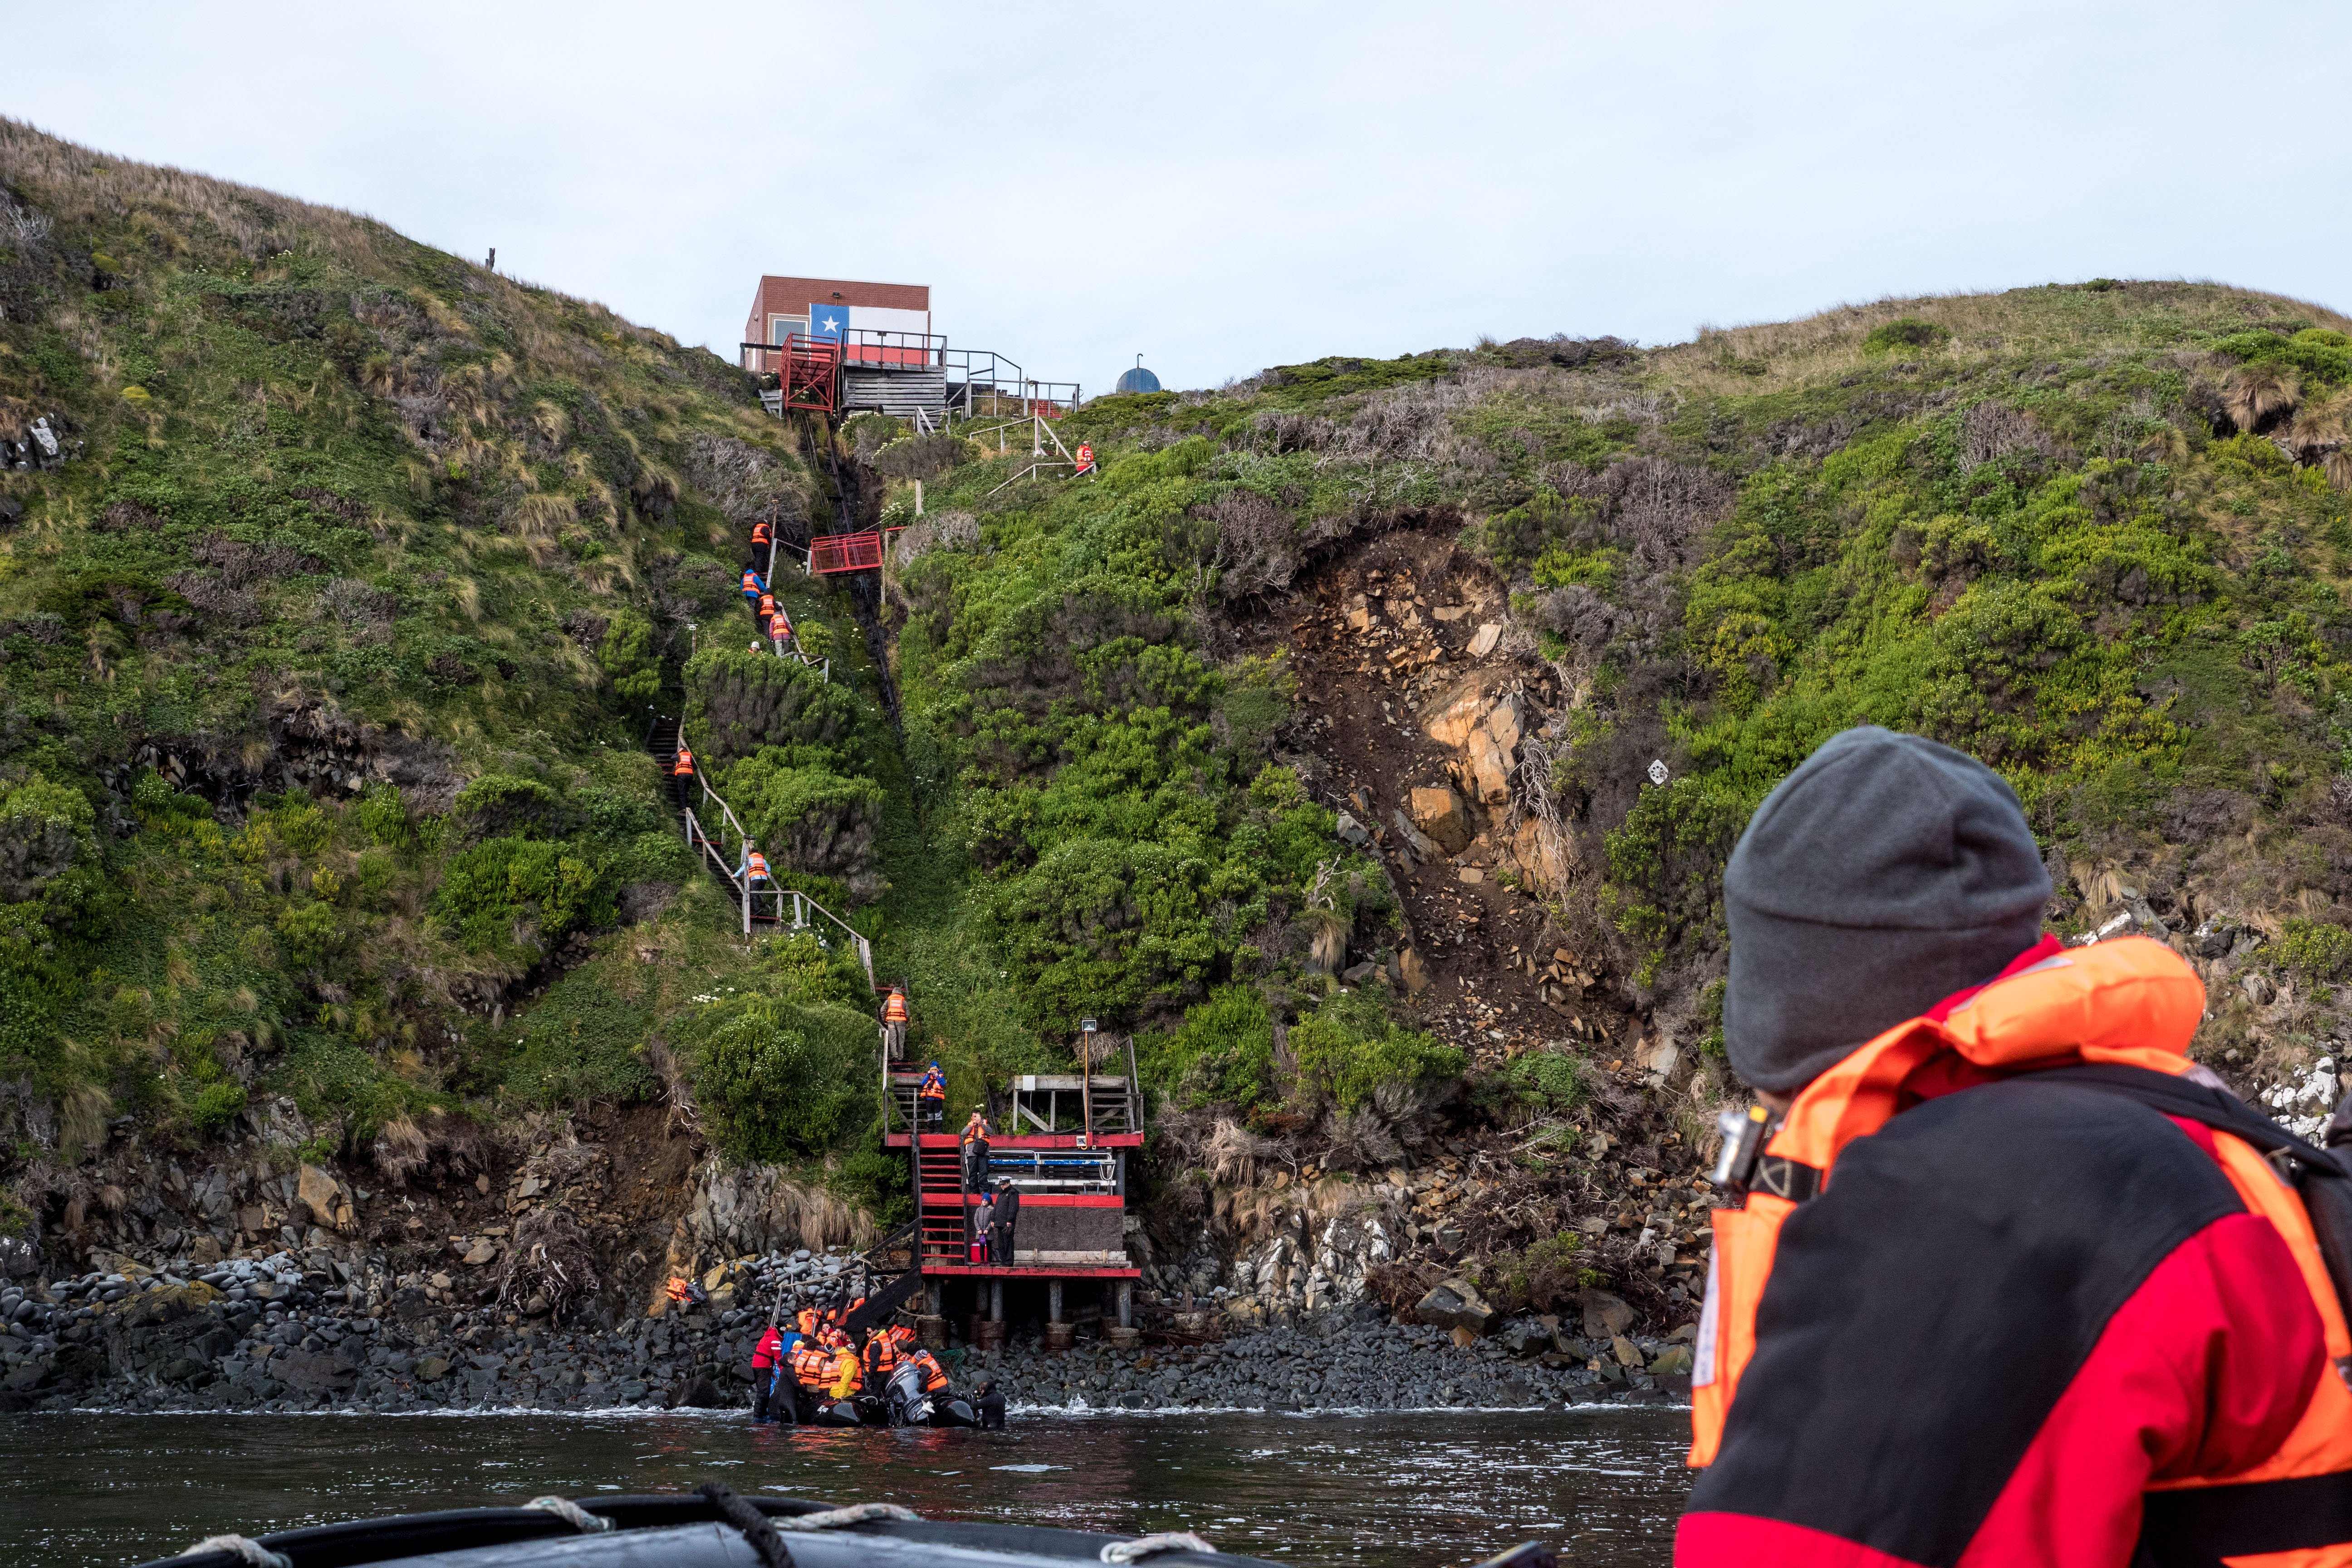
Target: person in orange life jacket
{"type": "Point", "coordinates": [780, 631]}
{"type": "Point", "coordinates": [1987, 1300]}
{"type": "Point", "coordinates": [881, 1358]}
{"type": "Point", "coordinates": [932, 1099]}
{"type": "Point", "coordinates": [811, 1364]}
{"type": "Point", "coordinates": [682, 766]}
{"type": "Point", "coordinates": [753, 587]}
{"type": "Point", "coordinates": [754, 867]}
{"type": "Point", "coordinates": [935, 1376]}
{"type": "Point", "coordinates": [765, 608]}
{"type": "Point", "coordinates": [894, 1024]}
{"type": "Point", "coordinates": [764, 1356]}
{"type": "Point", "coordinates": [975, 1154]}
{"type": "Point", "coordinates": [1085, 460]}
{"type": "Point", "coordinates": [761, 535]}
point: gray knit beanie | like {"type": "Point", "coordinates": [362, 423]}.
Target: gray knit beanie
{"type": "Point", "coordinates": [1883, 874]}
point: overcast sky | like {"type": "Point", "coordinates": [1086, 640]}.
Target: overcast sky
{"type": "Point", "coordinates": [1225, 186]}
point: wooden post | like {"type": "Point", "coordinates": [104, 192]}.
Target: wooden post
{"type": "Point", "coordinates": [1127, 1303]}
{"type": "Point", "coordinates": [996, 1300]}
{"type": "Point", "coordinates": [1054, 1302]}
{"type": "Point", "coordinates": [919, 497]}
{"type": "Point", "coordinates": [939, 1297]}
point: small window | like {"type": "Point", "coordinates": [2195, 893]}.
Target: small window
{"type": "Point", "coordinates": [780, 327]}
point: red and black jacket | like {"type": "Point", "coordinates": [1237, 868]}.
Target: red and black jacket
{"type": "Point", "coordinates": [2020, 1318]}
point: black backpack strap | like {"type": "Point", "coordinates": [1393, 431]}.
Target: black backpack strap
{"type": "Point", "coordinates": [2216, 1107]}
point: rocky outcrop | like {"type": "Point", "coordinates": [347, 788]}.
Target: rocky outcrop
{"type": "Point", "coordinates": [273, 1335]}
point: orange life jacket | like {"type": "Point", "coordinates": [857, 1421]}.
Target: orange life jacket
{"type": "Point", "coordinates": [881, 1358]}
{"type": "Point", "coordinates": [758, 867]}
{"type": "Point", "coordinates": [811, 1364]}
{"type": "Point", "coordinates": [935, 1377]}
{"type": "Point", "coordinates": [848, 1376]}
{"type": "Point", "coordinates": [894, 1008]}
{"type": "Point", "coordinates": [1086, 456]}
{"type": "Point", "coordinates": [759, 533]}
{"type": "Point", "coordinates": [2128, 1000]}
{"type": "Point", "coordinates": [933, 1087]}
{"type": "Point", "coordinates": [779, 626]}
{"type": "Point", "coordinates": [683, 766]}
{"type": "Point", "coordinates": [807, 1320]}
{"type": "Point", "coordinates": [750, 581]}
{"type": "Point", "coordinates": [767, 603]}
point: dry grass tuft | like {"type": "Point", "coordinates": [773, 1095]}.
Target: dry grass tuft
{"type": "Point", "coordinates": [2253, 393]}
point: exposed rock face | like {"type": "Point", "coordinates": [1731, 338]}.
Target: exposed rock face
{"type": "Point", "coordinates": [1457, 1304]}
{"type": "Point", "coordinates": [327, 1199]}
{"type": "Point", "coordinates": [1438, 813]}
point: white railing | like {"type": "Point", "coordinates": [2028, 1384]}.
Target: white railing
{"type": "Point", "coordinates": [805, 912]}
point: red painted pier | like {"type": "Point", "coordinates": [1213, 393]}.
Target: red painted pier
{"type": "Point", "coordinates": [1065, 1142]}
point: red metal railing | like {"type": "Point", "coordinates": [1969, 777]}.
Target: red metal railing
{"type": "Point", "coordinates": [807, 371]}
{"type": "Point", "coordinates": [831, 552]}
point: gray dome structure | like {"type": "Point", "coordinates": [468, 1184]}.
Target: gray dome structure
{"type": "Point", "coordinates": [1136, 380]}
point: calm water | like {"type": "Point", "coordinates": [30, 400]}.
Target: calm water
{"type": "Point", "coordinates": [1379, 1491]}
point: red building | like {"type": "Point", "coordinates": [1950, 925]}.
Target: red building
{"type": "Point", "coordinates": [829, 307]}
{"type": "Point", "coordinates": [835, 346]}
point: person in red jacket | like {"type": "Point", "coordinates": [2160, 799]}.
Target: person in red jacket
{"type": "Point", "coordinates": [769, 1350]}
{"type": "Point", "coordinates": [2010, 1283]}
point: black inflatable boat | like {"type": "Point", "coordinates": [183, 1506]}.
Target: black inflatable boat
{"type": "Point", "coordinates": [711, 1527]}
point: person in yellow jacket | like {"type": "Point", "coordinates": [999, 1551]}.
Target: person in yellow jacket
{"type": "Point", "coordinates": [848, 1375]}
{"type": "Point", "coordinates": [2011, 1281]}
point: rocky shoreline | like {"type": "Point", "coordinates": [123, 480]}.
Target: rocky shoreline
{"type": "Point", "coordinates": [270, 1335]}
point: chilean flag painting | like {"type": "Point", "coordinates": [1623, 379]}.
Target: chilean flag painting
{"type": "Point", "coordinates": [828, 321]}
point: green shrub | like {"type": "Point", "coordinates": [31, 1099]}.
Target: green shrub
{"type": "Point", "coordinates": [217, 1105]}
{"type": "Point", "coordinates": [2316, 947]}
{"type": "Point", "coordinates": [496, 805]}
{"type": "Point", "coordinates": [304, 827]}
{"type": "Point", "coordinates": [782, 1080]}
{"type": "Point", "coordinates": [737, 702]}
{"type": "Point", "coordinates": [1546, 1083]}
{"type": "Point", "coordinates": [2325, 358]}
{"type": "Point", "coordinates": [49, 855]}
{"type": "Point", "coordinates": [1347, 1053]}
{"type": "Point", "coordinates": [628, 658]}
{"type": "Point", "coordinates": [489, 892]}
{"type": "Point", "coordinates": [1223, 1053]}
{"type": "Point", "coordinates": [808, 819]}
{"type": "Point", "coordinates": [1905, 332]}
{"type": "Point", "coordinates": [383, 815]}
{"type": "Point", "coordinates": [311, 932]}
{"type": "Point", "coordinates": [1098, 926]}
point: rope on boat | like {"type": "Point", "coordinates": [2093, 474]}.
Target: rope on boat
{"type": "Point", "coordinates": [571, 1514]}
{"type": "Point", "coordinates": [1150, 1545]}
{"type": "Point", "coordinates": [757, 1529]}
{"type": "Point", "coordinates": [244, 1549]}
{"type": "Point", "coordinates": [837, 1517]}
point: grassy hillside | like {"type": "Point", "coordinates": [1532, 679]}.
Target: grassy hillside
{"type": "Point", "coordinates": [328, 647]}
{"type": "Point", "coordinates": [332, 634]}
{"type": "Point", "coordinates": [2095, 534]}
